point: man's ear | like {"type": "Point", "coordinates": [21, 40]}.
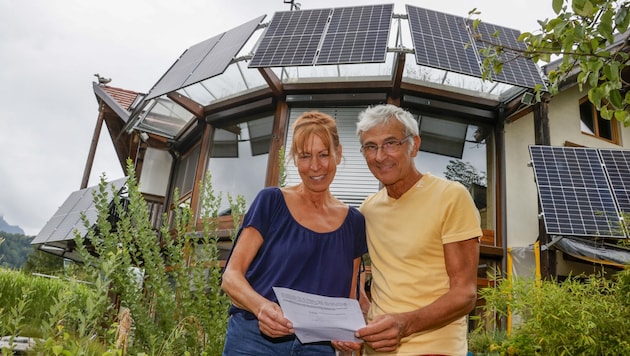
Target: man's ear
{"type": "Point", "coordinates": [416, 145]}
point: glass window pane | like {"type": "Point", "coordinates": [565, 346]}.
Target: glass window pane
{"type": "Point", "coordinates": [237, 170]}
{"type": "Point", "coordinates": [586, 117]}
{"type": "Point", "coordinates": [605, 128]}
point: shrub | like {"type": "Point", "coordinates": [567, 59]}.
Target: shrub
{"type": "Point", "coordinates": [579, 316]}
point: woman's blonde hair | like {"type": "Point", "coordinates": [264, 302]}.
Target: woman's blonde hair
{"type": "Point", "coordinates": [314, 123]}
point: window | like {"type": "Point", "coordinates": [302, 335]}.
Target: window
{"type": "Point", "coordinates": [459, 151]}
{"type": "Point", "coordinates": [186, 171]}
{"type": "Point", "coordinates": [592, 123]}
{"type": "Point", "coordinates": [238, 158]}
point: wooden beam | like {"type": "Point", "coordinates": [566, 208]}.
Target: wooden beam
{"type": "Point", "coordinates": [275, 84]}
{"type": "Point", "coordinates": [280, 122]}
{"type": "Point", "coordinates": [187, 103]}
{"type": "Point", "coordinates": [95, 136]}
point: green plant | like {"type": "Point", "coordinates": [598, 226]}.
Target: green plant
{"type": "Point", "coordinates": [170, 284]}
{"type": "Point", "coordinates": [578, 316]}
{"type": "Point", "coordinates": [166, 286]}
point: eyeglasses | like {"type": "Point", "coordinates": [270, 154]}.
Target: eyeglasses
{"type": "Point", "coordinates": [389, 146]}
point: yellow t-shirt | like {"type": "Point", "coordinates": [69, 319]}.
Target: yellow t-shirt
{"type": "Point", "coordinates": [405, 238]}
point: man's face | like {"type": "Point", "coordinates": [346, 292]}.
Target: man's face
{"type": "Point", "coordinates": [389, 152]}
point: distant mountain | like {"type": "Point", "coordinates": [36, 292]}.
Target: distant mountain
{"type": "Point", "coordinates": [10, 229]}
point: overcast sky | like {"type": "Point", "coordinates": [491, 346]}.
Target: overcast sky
{"type": "Point", "coordinates": [50, 51]}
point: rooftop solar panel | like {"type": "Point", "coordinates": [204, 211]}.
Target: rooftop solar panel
{"type": "Point", "coordinates": [440, 41]}
{"type": "Point", "coordinates": [517, 70]}
{"type": "Point", "coordinates": [357, 35]}
{"type": "Point", "coordinates": [445, 41]}
{"type": "Point", "coordinates": [205, 59]}
{"type": "Point", "coordinates": [292, 38]}
{"type": "Point", "coordinates": [325, 36]}
{"type": "Point", "coordinates": [574, 193]}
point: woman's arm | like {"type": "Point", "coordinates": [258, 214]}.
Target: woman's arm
{"type": "Point", "coordinates": [271, 320]}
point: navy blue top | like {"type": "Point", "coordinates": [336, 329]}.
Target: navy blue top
{"type": "Point", "coordinates": [293, 256]}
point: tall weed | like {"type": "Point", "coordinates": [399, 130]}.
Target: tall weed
{"type": "Point", "coordinates": [578, 316]}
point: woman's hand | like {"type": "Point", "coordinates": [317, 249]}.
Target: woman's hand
{"type": "Point", "coordinates": [271, 321]}
{"type": "Point", "coordinates": [346, 346]}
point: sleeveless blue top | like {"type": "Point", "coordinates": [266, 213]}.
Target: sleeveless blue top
{"type": "Point", "coordinates": [293, 256]}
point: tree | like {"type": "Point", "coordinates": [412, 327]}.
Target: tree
{"type": "Point", "coordinates": [591, 38]}
{"type": "Point", "coordinates": [465, 173]}
{"type": "Point", "coordinates": [15, 250]}
{"type": "Point", "coordinates": [43, 262]}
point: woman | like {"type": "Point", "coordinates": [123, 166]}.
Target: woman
{"type": "Point", "coordinates": [298, 237]}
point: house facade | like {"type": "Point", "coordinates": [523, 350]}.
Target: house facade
{"type": "Point", "coordinates": [226, 106]}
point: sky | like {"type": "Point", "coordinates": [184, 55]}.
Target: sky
{"type": "Point", "coordinates": [50, 51]}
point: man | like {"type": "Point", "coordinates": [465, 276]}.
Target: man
{"type": "Point", "coordinates": [423, 238]}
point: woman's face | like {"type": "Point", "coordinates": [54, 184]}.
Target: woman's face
{"type": "Point", "coordinates": [317, 165]}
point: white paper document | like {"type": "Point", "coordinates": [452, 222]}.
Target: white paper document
{"type": "Point", "coordinates": [318, 318]}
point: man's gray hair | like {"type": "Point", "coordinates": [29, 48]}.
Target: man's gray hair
{"type": "Point", "coordinates": [382, 114]}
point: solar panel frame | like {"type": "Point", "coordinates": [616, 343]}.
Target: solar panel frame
{"type": "Point", "coordinates": [574, 193]}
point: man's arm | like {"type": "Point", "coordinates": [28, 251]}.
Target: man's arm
{"type": "Point", "coordinates": [462, 259]}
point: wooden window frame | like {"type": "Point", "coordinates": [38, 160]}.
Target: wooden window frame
{"type": "Point", "coordinates": [596, 117]}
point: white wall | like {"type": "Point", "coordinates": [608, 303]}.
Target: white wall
{"type": "Point", "coordinates": [521, 193]}
{"type": "Point", "coordinates": [564, 122]}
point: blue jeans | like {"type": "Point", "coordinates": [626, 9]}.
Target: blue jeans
{"type": "Point", "coordinates": [244, 338]}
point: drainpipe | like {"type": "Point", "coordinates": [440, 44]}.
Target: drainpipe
{"type": "Point", "coordinates": [502, 196]}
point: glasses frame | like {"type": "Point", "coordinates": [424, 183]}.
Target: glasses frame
{"type": "Point", "coordinates": [388, 147]}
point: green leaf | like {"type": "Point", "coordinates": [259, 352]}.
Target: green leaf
{"type": "Point", "coordinates": [557, 6]}
{"type": "Point", "coordinates": [476, 23]}
{"type": "Point", "coordinates": [583, 8]}
{"type": "Point", "coordinates": [523, 36]}
{"type": "Point", "coordinates": [593, 79]}
{"type": "Point", "coordinates": [611, 71]}
{"type": "Point", "coordinates": [595, 97]}
{"type": "Point", "coordinates": [622, 115]}
{"type": "Point", "coordinates": [581, 78]}
{"type": "Point", "coordinates": [622, 19]}
{"type": "Point", "coordinates": [615, 99]}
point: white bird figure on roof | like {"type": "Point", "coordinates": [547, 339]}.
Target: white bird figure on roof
{"type": "Point", "coordinates": [102, 80]}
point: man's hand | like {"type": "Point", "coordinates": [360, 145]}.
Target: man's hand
{"type": "Point", "coordinates": [383, 334]}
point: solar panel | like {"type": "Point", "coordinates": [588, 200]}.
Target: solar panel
{"type": "Point", "coordinates": [517, 70]}
{"type": "Point", "coordinates": [574, 193]}
{"type": "Point", "coordinates": [444, 41]}
{"type": "Point", "coordinates": [68, 217]}
{"type": "Point", "coordinates": [325, 36]}
{"type": "Point", "coordinates": [617, 166]}
{"type": "Point", "coordinates": [440, 41]}
{"type": "Point", "coordinates": [292, 38]}
{"type": "Point", "coordinates": [205, 59]}
{"type": "Point", "coordinates": [357, 35]}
